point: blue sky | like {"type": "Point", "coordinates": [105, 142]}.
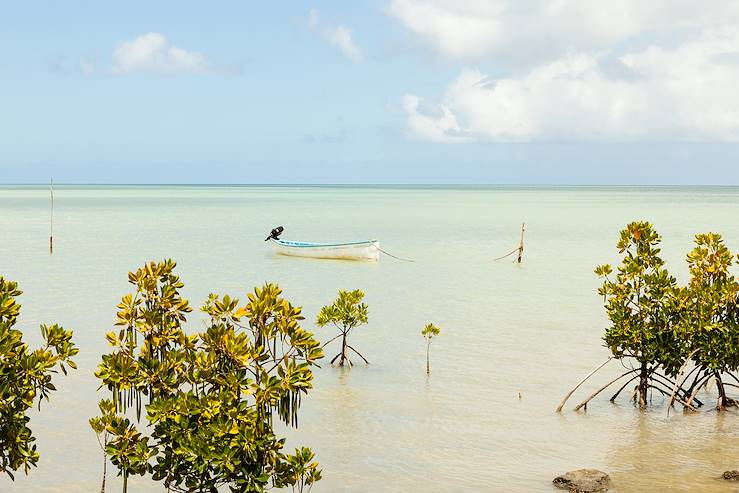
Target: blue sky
{"type": "Point", "coordinates": [391, 91]}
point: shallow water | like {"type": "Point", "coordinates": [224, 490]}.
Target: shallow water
{"type": "Point", "coordinates": [533, 328]}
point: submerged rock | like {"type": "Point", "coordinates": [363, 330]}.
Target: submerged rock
{"type": "Point", "coordinates": [731, 475]}
{"type": "Point", "coordinates": [584, 481]}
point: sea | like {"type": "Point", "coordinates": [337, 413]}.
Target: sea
{"type": "Point", "coordinates": [514, 337]}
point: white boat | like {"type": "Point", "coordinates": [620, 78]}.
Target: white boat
{"type": "Point", "coordinates": [357, 250]}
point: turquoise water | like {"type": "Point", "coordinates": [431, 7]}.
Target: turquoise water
{"type": "Point", "coordinates": [532, 329]}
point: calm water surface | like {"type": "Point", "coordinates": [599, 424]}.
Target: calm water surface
{"type": "Point", "coordinates": [533, 328]}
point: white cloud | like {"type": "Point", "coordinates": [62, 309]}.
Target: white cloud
{"type": "Point", "coordinates": [152, 52]}
{"type": "Point", "coordinates": [341, 36]}
{"type": "Point", "coordinates": [433, 124]}
{"type": "Point", "coordinates": [542, 29]}
{"type": "Point", "coordinates": [313, 19]}
{"type": "Point", "coordinates": [685, 93]}
{"type": "Point", "coordinates": [454, 31]}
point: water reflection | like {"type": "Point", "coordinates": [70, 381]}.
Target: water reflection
{"type": "Point", "coordinates": [685, 452]}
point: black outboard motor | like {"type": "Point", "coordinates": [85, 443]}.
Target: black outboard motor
{"type": "Point", "coordinates": [275, 233]}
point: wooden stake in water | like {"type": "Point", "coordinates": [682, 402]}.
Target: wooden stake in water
{"type": "Point", "coordinates": [518, 250]}
{"type": "Point", "coordinates": [51, 217]}
{"type": "Point", "coordinates": [520, 245]}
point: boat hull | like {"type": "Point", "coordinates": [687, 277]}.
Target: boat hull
{"type": "Point", "coordinates": [360, 250]}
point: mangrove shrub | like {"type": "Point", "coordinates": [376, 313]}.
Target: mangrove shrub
{"type": "Point", "coordinates": [638, 301]}
{"type": "Point", "coordinates": [212, 397]}
{"type": "Point", "coordinates": [709, 318]}
{"type": "Point", "coordinates": [25, 379]}
{"type": "Point", "coordinates": [659, 330]}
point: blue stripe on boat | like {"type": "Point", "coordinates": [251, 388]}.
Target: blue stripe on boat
{"type": "Point", "coordinates": [308, 244]}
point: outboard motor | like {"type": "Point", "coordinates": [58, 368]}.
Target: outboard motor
{"type": "Point", "coordinates": [275, 233]}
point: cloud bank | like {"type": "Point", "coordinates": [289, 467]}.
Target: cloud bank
{"type": "Point", "coordinates": [474, 29]}
{"type": "Point", "coordinates": [587, 70]}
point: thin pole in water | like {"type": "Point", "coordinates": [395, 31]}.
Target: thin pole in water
{"type": "Point", "coordinates": [520, 245]}
{"type": "Point", "coordinates": [518, 250]}
{"type": "Point", "coordinates": [51, 217]}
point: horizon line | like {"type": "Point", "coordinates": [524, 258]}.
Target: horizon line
{"type": "Point", "coordinates": [349, 184]}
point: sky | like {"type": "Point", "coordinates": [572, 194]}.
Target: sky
{"type": "Point", "coordinates": [370, 91]}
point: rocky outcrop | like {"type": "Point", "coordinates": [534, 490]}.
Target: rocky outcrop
{"type": "Point", "coordinates": [731, 475]}
{"type": "Point", "coordinates": [584, 481]}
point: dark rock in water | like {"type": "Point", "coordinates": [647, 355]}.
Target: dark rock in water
{"type": "Point", "coordinates": [731, 475]}
{"type": "Point", "coordinates": [584, 481]}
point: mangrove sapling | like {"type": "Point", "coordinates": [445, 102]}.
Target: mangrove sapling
{"type": "Point", "coordinates": [25, 379]}
{"type": "Point", "coordinates": [429, 333]}
{"type": "Point", "coordinates": [346, 313]}
{"type": "Point", "coordinates": [100, 426]}
{"type": "Point", "coordinates": [212, 396]}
